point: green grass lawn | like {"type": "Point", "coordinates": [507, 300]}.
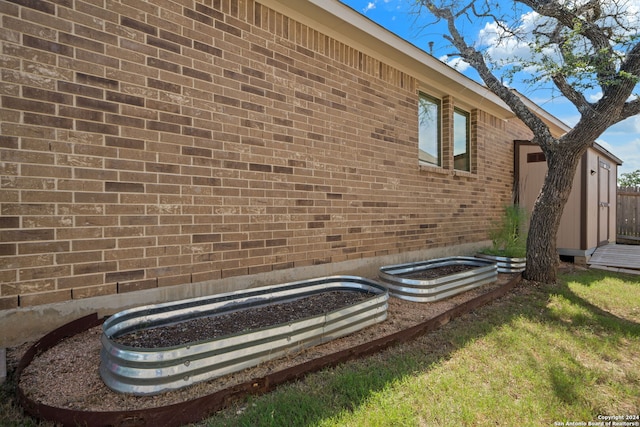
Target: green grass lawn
{"type": "Point", "coordinates": [541, 356]}
{"type": "Point", "coordinates": [544, 355]}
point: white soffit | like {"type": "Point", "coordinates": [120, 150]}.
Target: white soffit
{"type": "Point", "coordinates": [337, 20]}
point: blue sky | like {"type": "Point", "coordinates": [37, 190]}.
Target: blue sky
{"type": "Point", "coordinates": [398, 16]}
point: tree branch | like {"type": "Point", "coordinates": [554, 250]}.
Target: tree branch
{"type": "Point", "coordinates": [582, 20]}
{"type": "Point", "coordinates": [577, 98]}
{"type": "Point", "coordinates": [631, 63]}
{"type": "Point", "coordinates": [631, 108]}
{"type": "Point", "coordinates": [476, 60]}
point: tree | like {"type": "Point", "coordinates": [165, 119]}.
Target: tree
{"type": "Point", "coordinates": [578, 45]}
{"type": "Point", "coordinates": [629, 179]}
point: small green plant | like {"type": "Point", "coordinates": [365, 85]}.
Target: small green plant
{"type": "Point", "coordinates": [509, 234]}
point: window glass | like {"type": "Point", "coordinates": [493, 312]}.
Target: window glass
{"type": "Point", "coordinates": [461, 140]}
{"type": "Point", "coordinates": [429, 128]}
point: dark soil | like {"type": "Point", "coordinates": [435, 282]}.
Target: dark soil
{"type": "Point", "coordinates": [207, 328]}
{"type": "Point", "coordinates": [434, 273]}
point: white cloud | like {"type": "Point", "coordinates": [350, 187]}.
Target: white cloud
{"type": "Point", "coordinates": [390, 6]}
{"type": "Point", "coordinates": [628, 126]}
{"type": "Point", "coordinates": [503, 48]}
{"type": "Point", "coordinates": [456, 63]}
{"type": "Point", "coordinates": [623, 140]}
{"type": "Point", "coordinates": [595, 97]}
{"type": "Point", "coordinates": [628, 152]}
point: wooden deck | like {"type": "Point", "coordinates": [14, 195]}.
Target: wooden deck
{"type": "Point", "coordinates": [622, 258]}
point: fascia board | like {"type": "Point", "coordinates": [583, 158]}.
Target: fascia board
{"type": "Point", "coordinates": [599, 148]}
{"type": "Point", "coordinates": [337, 20]}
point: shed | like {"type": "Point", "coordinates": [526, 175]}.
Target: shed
{"type": "Point", "coordinates": [589, 218]}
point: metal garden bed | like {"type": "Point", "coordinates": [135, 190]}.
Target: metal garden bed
{"type": "Point", "coordinates": [146, 371]}
{"type": "Point", "coordinates": [401, 281]}
{"type": "Point", "coordinates": [191, 411]}
{"type": "Point", "coordinates": [506, 265]}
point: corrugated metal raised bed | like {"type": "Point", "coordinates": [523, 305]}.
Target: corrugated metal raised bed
{"type": "Point", "coordinates": [410, 281]}
{"type": "Point", "coordinates": [506, 264]}
{"type": "Point", "coordinates": [146, 371]}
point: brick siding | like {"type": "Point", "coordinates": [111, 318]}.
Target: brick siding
{"type": "Point", "coordinates": [151, 144]}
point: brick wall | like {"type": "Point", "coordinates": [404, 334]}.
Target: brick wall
{"type": "Point", "coordinates": [150, 144]}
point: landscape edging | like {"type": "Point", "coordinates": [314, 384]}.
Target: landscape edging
{"type": "Point", "coordinates": [197, 409]}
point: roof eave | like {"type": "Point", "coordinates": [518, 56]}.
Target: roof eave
{"type": "Point", "coordinates": [342, 22]}
{"type": "Point", "coordinates": [336, 19]}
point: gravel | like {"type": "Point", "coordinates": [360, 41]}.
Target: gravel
{"type": "Point", "coordinates": [67, 376]}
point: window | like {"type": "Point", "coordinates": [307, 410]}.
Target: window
{"type": "Point", "coordinates": [461, 157]}
{"type": "Point", "coordinates": [429, 130]}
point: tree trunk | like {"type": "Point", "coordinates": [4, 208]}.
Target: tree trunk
{"type": "Point", "coordinates": [542, 255]}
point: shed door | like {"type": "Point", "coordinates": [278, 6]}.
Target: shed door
{"type": "Point", "coordinates": [604, 177]}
